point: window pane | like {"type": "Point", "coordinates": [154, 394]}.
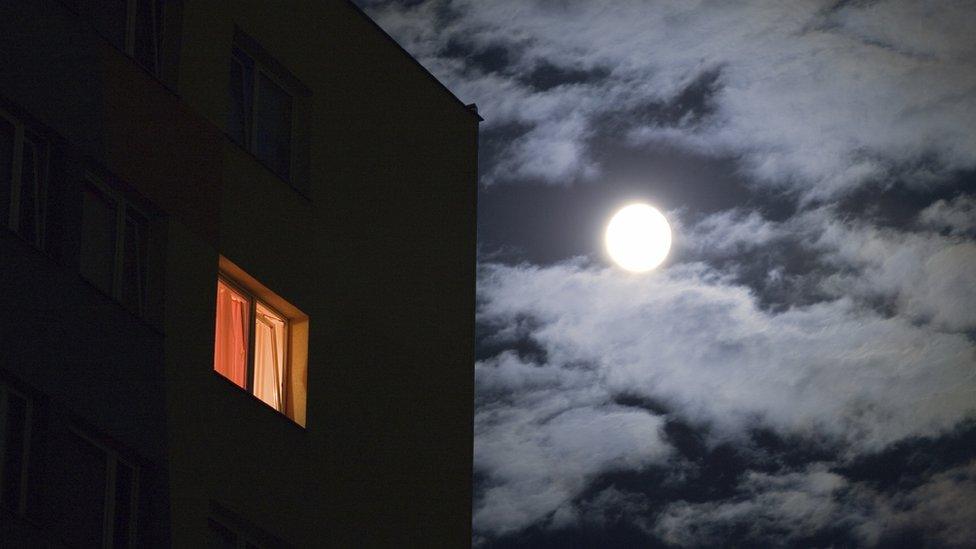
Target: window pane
{"type": "Point", "coordinates": [241, 87]}
{"type": "Point", "coordinates": [31, 174]}
{"type": "Point", "coordinates": [124, 485]}
{"type": "Point", "coordinates": [272, 126]}
{"type": "Point", "coordinates": [14, 440]}
{"type": "Point", "coordinates": [269, 357]}
{"type": "Point", "coordinates": [98, 226]}
{"type": "Point", "coordinates": [134, 262]}
{"type": "Point", "coordinates": [147, 35]}
{"type": "Point", "coordinates": [221, 536]}
{"type": "Point", "coordinates": [230, 345]}
{"type": "Point", "coordinates": [77, 497]}
{"type": "Point", "coordinates": [109, 19]}
{"type": "Point", "coordinates": [6, 168]}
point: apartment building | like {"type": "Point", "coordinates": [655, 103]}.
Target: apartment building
{"type": "Point", "coordinates": [237, 279]}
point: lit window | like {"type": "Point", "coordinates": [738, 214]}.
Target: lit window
{"type": "Point", "coordinates": [260, 343]}
{"type": "Point", "coordinates": [15, 444]}
{"type": "Point", "coordinates": [97, 502]}
{"type": "Point", "coordinates": [23, 172]}
{"type": "Point", "coordinates": [133, 26]}
{"type": "Point", "coordinates": [114, 245]}
{"type": "Point", "coordinates": [260, 114]}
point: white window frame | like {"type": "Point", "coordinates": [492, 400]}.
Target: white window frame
{"type": "Point", "coordinates": [40, 190]}
{"type": "Point", "coordinates": [118, 262]}
{"type": "Point", "coordinates": [5, 392]}
{"type": "Point", "coordinates": [112, 461]}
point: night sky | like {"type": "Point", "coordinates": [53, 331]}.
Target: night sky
{"type": "Point", "coordinates": [802, 369]}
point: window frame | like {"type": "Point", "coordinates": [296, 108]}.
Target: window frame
{"type": "Point", "coordinates": [130, 26]}
{"type": "Point", "coordinates": [122, 208]}
{"type": "Point", "coordinates": [21, 132]}
{"type": "Point", "coordinates": [157, 27]}
{"type": "Point", "coordinates": [5, 392]}
{"type": "Point", "coordinates": [252, 320]}
{"type": "Point", "coordinates": [112, 460]}
{"type": "Point", "coordinates": [259, 68]}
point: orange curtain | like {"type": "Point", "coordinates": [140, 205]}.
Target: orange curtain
{"type": "Point", "coordinates": [230, 343]}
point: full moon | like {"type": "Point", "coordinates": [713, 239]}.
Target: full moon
{"type": "Point", "coordinates": [638, 238]}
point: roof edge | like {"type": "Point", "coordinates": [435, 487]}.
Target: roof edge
{"type": "Point", "coordinates": [470, 108]}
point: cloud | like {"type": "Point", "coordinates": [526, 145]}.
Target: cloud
{"type": "Point", "coordinates": [542, 432]}
{"type": "Point", "coordinates": [691, 339]}
{"type": "Point", "coordinates": [790, 506]}
{"type": "Point", "coordinates": [815, 503]}
{"type": "Point", "coordinates": [957, 216]}
{"type": "Point", "coordinates": [926, 276]}
{"type": "Point", "coordinates": [814, 97]}
{"type": "Point", "coordinates": [730, 232]}
{"type": "Point", "coordinates": [870, 342]}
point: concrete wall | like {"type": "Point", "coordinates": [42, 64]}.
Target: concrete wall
{"type": "Point", "coordinates": [379, 253]}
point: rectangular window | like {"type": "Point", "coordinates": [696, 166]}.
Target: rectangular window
{"type": "Point", "coordinates": [230, 530]}
{"type": "Point", "coordinates": [114, 245]}
{"type": "Point", "coordinates": [260, 343]}
{"type": "Point", "coordinates": [260, 113]}
{"type": "Point", "coordinates": [257, 362]}
{"type": "Point", "coordinates": [15, 432]}
{"type": "Point", "coordinates": [23, 177]}
{"type": "Point", "coordinates": [95, 494]}
{"type": "Point", "coordinates": [133, 26]}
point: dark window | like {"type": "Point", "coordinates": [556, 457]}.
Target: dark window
{"type": "Point", "coordinates": [7, 145]}
{"type": "Point", "coordinates": [123, 533]}
{"type": "Point", "coordinates": [94, 494]}
{"type": "Point", "coordinates": [110, 18]}
{"type": "Point", "coordinates": [133, 26]}
{"type": "Point", "coordinates": [15, 412]}
{"type": "Point", "coordinates": [233, 532]}
{"type": "Point", "coordinates": [221, 537]}
{"type": "Point", "coordinates": [148, 33]}
{"type": "Point", "coordinates": [98, 227]}
{"type": "Point", "coordinates": [272, 126]}
{"type": "Point", "coordinates": [23, 174]}
{"type": "Point", "coordinates": [241, 90]}
{"type": "Point", "coordinates": [78, 488]}
{"type": "Point", "coordinates": [260, 113]}
{"type": "Point", "coordinates": [134, 262]}
{"type": "Point", "coordinates": [114, 246]}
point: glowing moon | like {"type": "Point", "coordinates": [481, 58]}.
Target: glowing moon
{"type": "Point", "coordinates": [638, 238]}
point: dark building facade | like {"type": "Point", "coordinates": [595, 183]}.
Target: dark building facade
{"type": "Point", "coordinates": [237, 270]}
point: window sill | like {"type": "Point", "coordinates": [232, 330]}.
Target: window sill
{"type": "Point", "coordinates": [303, 194]}
{"type": "Point", "coordinates": [244, 392]}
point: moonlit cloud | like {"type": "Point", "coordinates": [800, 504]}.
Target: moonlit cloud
{"type": "Point", "coordinates": [817, 97]}
{"type": "Point", "coordinates": [698, 344]}
{"type": "Point", "coordinates": [957, 216]}
{"type": "Point", "coordinates": [826, 303]}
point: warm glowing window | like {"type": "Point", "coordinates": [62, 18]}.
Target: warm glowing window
{"type": "Point", "coordinates": [260, 344]}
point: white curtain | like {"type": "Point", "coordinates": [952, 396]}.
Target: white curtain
{"type": "Point", "coordinates": [269, 357]}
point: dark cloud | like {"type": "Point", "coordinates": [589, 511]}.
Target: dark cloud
{"type": "Point", "coordinates": [546, 76]}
